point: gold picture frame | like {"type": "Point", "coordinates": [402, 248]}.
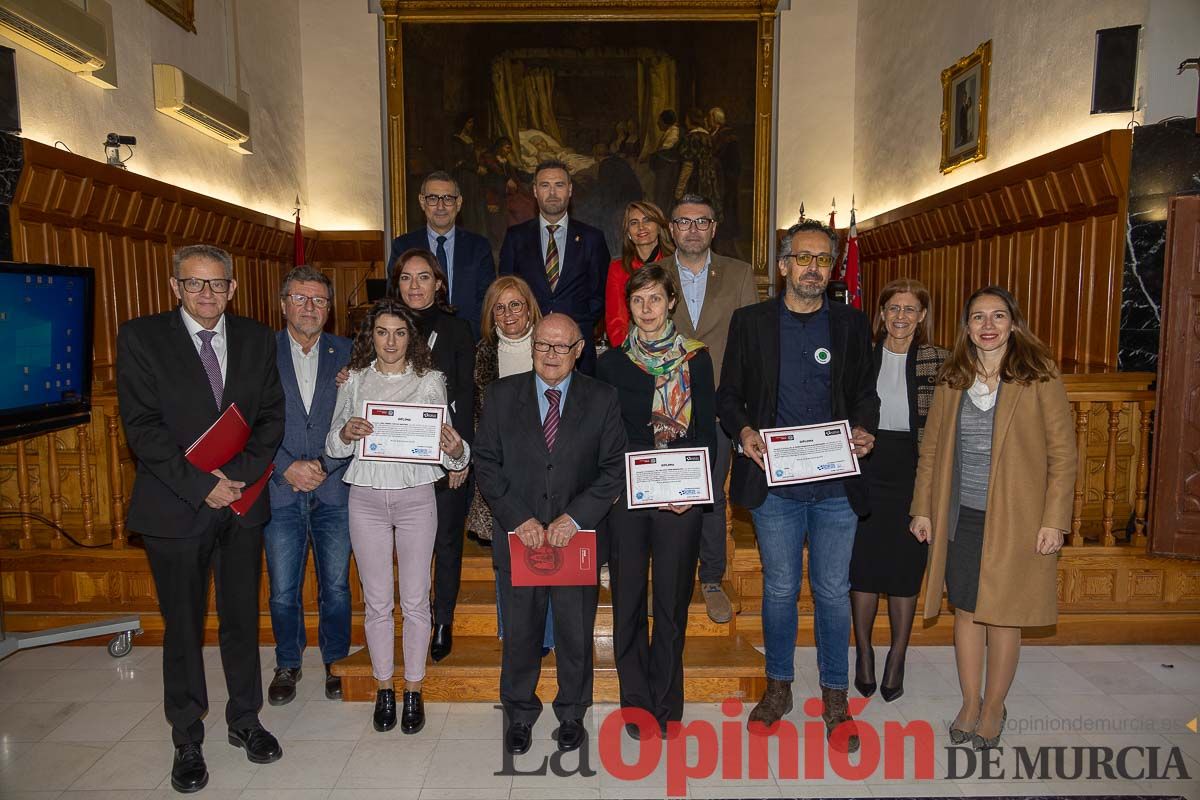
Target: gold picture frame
{"type": "Point", "coordinates": [964, 108]}
{"type": "Point", "coordinates": [181, 12]}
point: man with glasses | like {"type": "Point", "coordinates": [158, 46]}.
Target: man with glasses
{"type": "Point", "coordinates": [801, 360]}
{"type": "Point", "coordinates": [564, 261]}
{"type": "Point", "coordinates": [176, 373]}
{"type": "Point", "coordinates": [308, 496]}
{"type": "Point", "coordinates": [549, 455]}
{"type": "Point", "coordinates": [465, 256]}
{"type": "Point", "coordinates": [713, 287]}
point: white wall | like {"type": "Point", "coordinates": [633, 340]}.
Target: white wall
{"type": "Point", "coordinates": [343, 152]}
{"type": "Point", "coordinates": [56, 105]}
{"type": "Point", "coordinates": [1172, 34]}
{"type": "Point", "coordinates": [816, 109]}
{"type": "Point", "coordinates": [1040, 88]}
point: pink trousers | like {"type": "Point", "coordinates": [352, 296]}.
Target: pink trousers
{"type": "Point", "coordinates": [399, 524]}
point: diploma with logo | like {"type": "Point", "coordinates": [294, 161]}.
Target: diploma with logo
{"type": "Point", "coordinates": [656, 478]}
{"type": "Point", "coordinates": [808, 453]}
{"type": "Point", "coordinates": [403, 432]}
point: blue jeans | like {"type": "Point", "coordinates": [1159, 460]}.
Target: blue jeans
{"type": "Point", "coordinates": [285, 540]}
{"type": "Point", "coordinates": [782, 526]}
{"type": "Point", "coordinates": [547, 637]}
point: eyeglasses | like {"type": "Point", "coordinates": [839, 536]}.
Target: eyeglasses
{"type": "Point", "coordinates": [515, 307]}
{"type": "Point", "coordinates": [561, 349]}
{"type": "Point", "coordinates": [301, 299]}
{"type": "Point", "coordinates": [196, 285]}
{"type": "Point", "coordinates": [803, 259]}
{"type": "Point", "coordinates": [700, 224]}
{"type": "Point", "coordinates": [895, 311]}
{"type": "Point", "coordinates": [439, 199]}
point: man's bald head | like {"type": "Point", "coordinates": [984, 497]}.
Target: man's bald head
{"type": "Point", "coordinates": [556, 331]}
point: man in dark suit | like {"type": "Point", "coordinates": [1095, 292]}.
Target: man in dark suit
{"type": "Point", "coordinates": [563, 260]}
{"type": "Point", "coordinates": [801, 360]}
{"type": "Point", "coordinates": [308, 496]}
{"type": "Point", "coordinates": [176, 372]}
{"type": "Point", "coordinates": [546, 474]}
{"type": "Point", "coordinates": [465, 256]}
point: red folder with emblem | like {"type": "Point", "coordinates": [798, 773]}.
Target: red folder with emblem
{"type": "Point", "coordinates": [223, 440]}
{"type": "Point", "coordinates": [573, 564]}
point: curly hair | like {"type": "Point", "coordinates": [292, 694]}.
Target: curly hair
{"type": "Point", "coordinates": [1026, 359]}
{"type": "Point", "coordinates": [362, 351]}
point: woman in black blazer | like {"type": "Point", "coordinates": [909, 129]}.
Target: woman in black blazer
{"type": "Point", "coordinates": [665, 386]}
{"type": "Point", "coordinates": [418, 281]}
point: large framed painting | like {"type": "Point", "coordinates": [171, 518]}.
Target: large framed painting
{"type": "Point", "coordinates": [964, 108]}
{"type": "Point", "coordinates": [645, 101]}
{"type": "Point", "coordinates": [181, 12]}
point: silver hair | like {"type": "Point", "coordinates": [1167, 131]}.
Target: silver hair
{"type": "Point", "coordinates": [205, 251]}
{"type": "Point", "coordinates": [441, 175]}
{"type": "Point", "coordinates": [304, 274]}
{"type": "Point", "coordinates": [809, 226]}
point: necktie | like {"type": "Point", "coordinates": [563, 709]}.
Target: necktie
{"type": "Point", "coordinates": [212, 366]}
{"type": "Point", "coordinates": [443, 260]}
{"type": "Point", "coordinates": [552, 257]}
{"type": "Point", "coordinates": [550, 424]}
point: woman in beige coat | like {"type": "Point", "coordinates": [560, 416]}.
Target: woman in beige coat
{"type": "Point", "coordinates": [993, 495]}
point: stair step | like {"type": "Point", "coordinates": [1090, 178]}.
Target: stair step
{"type": "Point", "coordinates": [714, 669]}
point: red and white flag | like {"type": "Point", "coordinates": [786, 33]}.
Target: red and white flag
{"type": "Point", "coordinates": [850, 271]}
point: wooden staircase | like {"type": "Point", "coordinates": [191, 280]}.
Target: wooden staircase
{"type": "Point", "coordinates": [718, 663]}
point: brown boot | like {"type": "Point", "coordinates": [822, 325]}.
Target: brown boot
{"type": "Point", "coordinates": [776, 701]}
{"type": "Point", "coordinates": [836, 712]}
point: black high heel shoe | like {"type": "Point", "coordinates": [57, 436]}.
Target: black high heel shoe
{"type": "Point", "coordinates": [864, 688]}
{"type": "Point", "coordinates": [890, 693]}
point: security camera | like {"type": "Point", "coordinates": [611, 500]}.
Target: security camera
{"type": "Point", "coordinates": [116, 140]}
{"type": "Point", "coordinates": [112, 148]}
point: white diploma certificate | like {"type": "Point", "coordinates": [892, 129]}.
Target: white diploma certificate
{"type": "Point", "coordinates": [403, 432]}
{"type": "Point", "coordinates": [808, 453]}
{"type": "Point", "coordinates": [656, 478]}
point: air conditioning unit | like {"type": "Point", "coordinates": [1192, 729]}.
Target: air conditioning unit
{"type": "Point", "coordinates": [199, 106]}
{"type": "Point", "coordinates": [58, 30]}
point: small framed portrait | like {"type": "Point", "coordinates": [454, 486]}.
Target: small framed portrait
{"type": "Point", "coordinates": [182, 12]}
{"type": "Point", "coordinates": [964, 108]}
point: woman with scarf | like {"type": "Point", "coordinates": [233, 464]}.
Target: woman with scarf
{"type": "Point", "coordinates": [668, 400]}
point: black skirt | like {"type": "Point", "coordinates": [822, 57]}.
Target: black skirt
{"type": "Point", "coordinates": [963, 556]}
{"type": "Point", "coordinates": [888, 559]}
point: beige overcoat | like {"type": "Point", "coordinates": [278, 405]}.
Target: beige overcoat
{"type": "Point", "coordinates": [1031, 485]}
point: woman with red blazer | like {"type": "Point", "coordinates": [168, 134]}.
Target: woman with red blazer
{"type": "Point", "coordinates": [646, 240]}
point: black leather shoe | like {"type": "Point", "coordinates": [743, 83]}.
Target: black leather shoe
{"type": "Point", "coordinates": [412, 716]}
{"type": "Point", "coordinates": [260, 746]}
{"type": "Point", "coordinates": [333, 684]}
{"type": "Point", "coordinates": [283, 686]}
{"type": "Point", "coordinates": [518, 738]}
{"type": "Point", "coordinates": [571, 734]}
{"type": "Point", "coordinates": [385, 710]}
{"type": "Point", "coordinates": [189, 773]}
{"type": "Point", "coordinates": [443, 640]}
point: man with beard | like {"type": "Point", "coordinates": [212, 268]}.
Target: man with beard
{"type": "Point", "coordinates": [801, 360]}
{"type": "Point", "coordinates": [713, 287]}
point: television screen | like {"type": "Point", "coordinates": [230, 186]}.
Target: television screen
{"type": "Point", "coordinates": [46, 357]}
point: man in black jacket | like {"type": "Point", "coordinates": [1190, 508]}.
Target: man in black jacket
{"type": "Point", "coordinates": [176, 373]}
{"type": "Point", "coordinates": [801, 360]}
{"type": "Point", "coordinates": [549, 458]}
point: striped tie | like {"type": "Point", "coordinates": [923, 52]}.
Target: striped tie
{"type": "Point", "coordinates": [212, 366]}
{"type": "Point", "coordinates": [550, 423]}
{"type": "Point", "coordinates": [552, 257]}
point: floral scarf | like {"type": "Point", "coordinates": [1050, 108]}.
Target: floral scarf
{"type": "Point", "coordinates": [666, 360]}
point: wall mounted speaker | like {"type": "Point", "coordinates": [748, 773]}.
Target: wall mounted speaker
{"type": "Point", "coordinates": [1114, 78]}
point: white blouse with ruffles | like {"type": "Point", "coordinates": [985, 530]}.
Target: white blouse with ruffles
{"type": "Point", "coordinates": [405, 387]}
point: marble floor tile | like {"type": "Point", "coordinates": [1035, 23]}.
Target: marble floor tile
{"type": "Point", "coordinates": [17, 685]}
{"type": "Point", "coordinates": [305, 765]}
{"type": "Point", "coordinates": [284, 794]}
{"type": "Point", "coordinates": [1164, 711]}
{"type": "Point", "coordinates": [31, 722]}
{"type": "Point", "coordinates": [318, 719]}
{"type": "Point", "coordinates": [47, 765]}
{"type": "Point", "coordinates": [105, 794]}
{"type": "Point", "coordinates": [101, 722]}
{"type": "Point", "coordinates": [386, 761]}
{"type": "Point", "coordinates": [1043, 678]}
{"type": "Point", "coordinates": [42, 658]}
{"type": "Point", "coordinates": [129, 765]}
{"type": "Point", "coordinates": [457, 764]}
{"type": "Point", "coordinates": [1179, 674]}
{"type": "Point", "coordinates": [74, 685]}
{"type": "Point", "coordinates": [375, 794]}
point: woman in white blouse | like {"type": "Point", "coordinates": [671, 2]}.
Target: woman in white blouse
{"type": "Point", "coordinates": [392, 506]}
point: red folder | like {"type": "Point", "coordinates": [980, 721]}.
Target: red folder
{"type": "Point", "coordinates": [223, 440]}
{"type": "Point", "coordinates": [574, 564]}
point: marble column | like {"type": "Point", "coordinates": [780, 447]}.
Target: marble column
{"type": "Point", "coordinates": [11, 161]}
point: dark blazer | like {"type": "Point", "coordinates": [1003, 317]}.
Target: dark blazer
{"type": "Point", "coordinates": [521, 480]}
{"type": "Point", "coordinates": [921, 367]}
{"type": "Point", "coordinates": [166, 404]}
{"type": "Point", "coordinates": [749, 390]}
{"type": "Point", "coordinates": [473, 268]}
{"type": "Point", "coordinates": [304, 431]}
{"type": "Point", "coordinates": [583, 269]}
{"type": "Point", "coordinates": [454, 357]}
{"type": "Point", "coordinates": [635, 392]}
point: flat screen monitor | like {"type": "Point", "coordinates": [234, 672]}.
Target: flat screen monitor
{"type": "Point", "coordinates": [46, 314]}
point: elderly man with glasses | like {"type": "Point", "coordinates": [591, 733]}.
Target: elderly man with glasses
{"type": "Point", "coordinates": [801, 360]}
{"type": "Point", "coordinates": [713, 287]}
{"type": "Point", "coordinates": [465, 256]}
{"type": "Point", "coordinates": [308, 497]}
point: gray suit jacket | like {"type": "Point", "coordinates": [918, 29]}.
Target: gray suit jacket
{"type": "Point", "coordinates": [730, 286]}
